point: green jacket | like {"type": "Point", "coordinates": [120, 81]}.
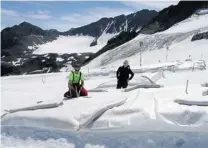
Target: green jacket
{"type": "Point", "coordinates": [75, 78]}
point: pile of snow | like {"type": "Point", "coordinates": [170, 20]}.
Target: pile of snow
{"type": "Point", "coordinates": [86, 57]}
{"type": "Point", "coordinates": [17, 63]}
{"type": "Point", "coordinates": [31, 47]}
{"type": "Point", "coordinates": [59, 59]}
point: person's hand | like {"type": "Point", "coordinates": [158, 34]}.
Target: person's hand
{"type": "Point", "coordinates": [71, 88]}
{"type": "Point", "coordinates": [80, 89]}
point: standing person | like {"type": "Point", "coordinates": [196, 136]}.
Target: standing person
{"type": "Point", "coordinates": [76, 83]}
{"type": "Point", "coordinates": [122, 75]}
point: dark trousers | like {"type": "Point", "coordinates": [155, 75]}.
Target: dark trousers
{"type": "Point", "coordinates": [74, 93]}
{"type": "Point", "coordinates": [122, 84]}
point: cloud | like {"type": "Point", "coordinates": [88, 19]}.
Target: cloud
{"type": "Point", "coordinates": [159, 4]}
{"type": "Point", "coordinates": [39, 15]}
{"type": "Point", "coordinates": [9, 12]}
{"type": "Point", "coordinates": [43, 11]}
{"type": "Point", "coordinates": [37, 3]}
{"type": "Point", "coordinates": [151, 4]}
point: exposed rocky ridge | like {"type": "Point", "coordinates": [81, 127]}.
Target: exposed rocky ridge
{"type": "Point", "coordinates": [200, 36]}
{"type": "Point", "coordinates": [172, 15]}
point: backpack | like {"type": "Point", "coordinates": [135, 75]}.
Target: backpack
{"type": "Point", "coordinates": [80, 74]}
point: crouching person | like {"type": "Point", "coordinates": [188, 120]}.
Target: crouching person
{"type": "Point", "coordinates": [76, 83]}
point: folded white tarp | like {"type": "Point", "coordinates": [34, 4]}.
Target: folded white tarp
{"type": "Point", "coordinates": [100, 111]}
{"type": "Point", "coordinates": [191, 65]}
{"type": "Point", "coordinates": [145, 81]}
{"type": "Point", "coordinates": [39, 105]}
{"type": "Point", "coordinates": [113, 84]}
{"type": "Point", "coordinates": [192, 102]}
{"type": "Point", "coordinates": [143, 86]}
{"type": "Point", "coordinates": [184, 109]}
{"type": "Point", "coordinates": [96, 90]}
{"type": "Point", "coordinates": [138, 108]}
{"type": "Point", "coordinates": [72, 114]}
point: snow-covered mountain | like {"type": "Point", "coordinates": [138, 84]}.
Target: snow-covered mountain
{"type": "Point", "coordinates": [128, 23]}
{"type": "Point", "coordinates": [23, 40]}
{"type": "Point", "coordinates": [164, 20]}
{"type": "Point", "coordinates": [131, 22]}
{"type": "Point", "coordinates": [179, 38]}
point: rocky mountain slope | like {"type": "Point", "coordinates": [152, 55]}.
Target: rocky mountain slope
{"type": "Point", "coordinates": [18, 41]}
{"type": "Point", "coordinates": [164, 20]}
{"type": "Point", "coordinates": [127, 23]}
{"type": "Point", "coordinates": [172, 15]}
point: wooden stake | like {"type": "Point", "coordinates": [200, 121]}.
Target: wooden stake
{"type": "Point", "coordinates": [187, 86]}
{"type": "Point", "coordinates": [193, 67]}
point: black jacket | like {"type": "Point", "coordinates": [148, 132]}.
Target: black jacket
{"type": "Point", "coordinates": [123, 73]}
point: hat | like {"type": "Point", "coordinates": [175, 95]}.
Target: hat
{"type": "Point", "coordinates": [76, 65]}
{"type": "Point", "coordinates": [126, 62]}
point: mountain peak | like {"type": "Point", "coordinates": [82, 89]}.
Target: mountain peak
{"type": "Point", "coordinates": [25, 24]}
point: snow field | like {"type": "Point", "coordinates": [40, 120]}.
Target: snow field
{"type": "Point", "coordinates": [73, 44]}
{"type": "Point", "coordinates": [67, 44]}
{"type": "Point", "coordinates": [140, 105]}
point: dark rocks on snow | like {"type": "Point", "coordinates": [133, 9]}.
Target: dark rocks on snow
{"type": "Point", "coordinates": [200, 36]}
{"type": "Point", "coordinates": [8, 69]}
{"type": "Point", "coordinates": [15, 40]}
{"type": "Point", "coordinates": [123, 37]}
{"type": "Point", "coordinates": [94, 42]}
{"type": "Point", "coordinates": [115, 24]}
{"type": "Point", "coordinates": [127, 23]}
{"type": "Point", "coordinates": [40, 63]}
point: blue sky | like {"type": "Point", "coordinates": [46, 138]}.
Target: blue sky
{"type": "Point", "coordinates": [68, 14]}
